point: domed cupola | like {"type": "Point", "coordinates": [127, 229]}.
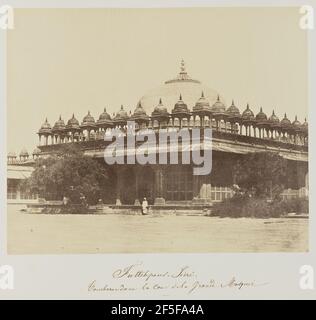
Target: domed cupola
{"type": "Point", "coordinates": [248, 115]}
{"type": "Point", "coordinates": [296, 124]}
{"type": "Point", "coordinates": [24, 154]}
{"type": "Point", "coordinates": [88, 121]}
{"type": "Point", "coordinates": [104, 120]}
{"type": "Point", "coordinates": [233, 111]}
{"type": "Point", "coordinates": [11, 154]}
{"type": "Point", "coordinates": [36, 152]}
{"type": "Point", "coordinates": [121, 117]}
{"type": "Point", "coordinates": [73, 123]}
{"type": "Point", "coordinates": [139, 114]}
{"type": "Point", "coordinates": [261, 116]}
{"type": "Point", "coordinates": [274, 121]}
{"type": "Point", "coordinates": [104, 115]}
{"type": "Point", "coordinates": [285, 122]}
{"type": "Point", "coordinates": [11, 157]}
{"type": "Point", "coordinates": [262, 119]}
{"type": "Point", "coordinates": [139, 111]}
{"type": "Point", "coordinates": [202, 106]}
{"type": "Point", "coordinates": [122, 114]}
{"type": "Point", "coordinates": [180, 108]}
{"type": "Point", "coordinates": [305, 125]}
{"type": "Point", "coordinates": [273, 118]}
{"type": "Point", "coordinates": [59, 125]}
{"type": "Point", "coordinates": [169, 92]}
{"type": "Point", "coordinates": [160, 111]}
{"type": "Point", "coordinates": [45, 128]}
{"type": "Point", "coordinates": [218, 106]}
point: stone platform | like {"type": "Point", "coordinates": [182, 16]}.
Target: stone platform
{"type": "Point", "coordinates": [174, 209]}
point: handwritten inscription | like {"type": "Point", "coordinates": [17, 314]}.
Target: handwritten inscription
{"type": "Point", "coordinates": [137, 278]}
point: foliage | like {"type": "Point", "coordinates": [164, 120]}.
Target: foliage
{"type": "Point", "coordinates": [69, 173]}
{"type": "Point", "coordinates": [262, 174]}
{"type": "Point", "coordinates": [258, 177]}
{"type": "Point", "coordinates": [242, 206]}
{"type": "Point", "coordinates": [295, 205]}
{"type": "Point", "coordinates": [247, 206]}
{"type": "Point", "coordinates": [68, 209]}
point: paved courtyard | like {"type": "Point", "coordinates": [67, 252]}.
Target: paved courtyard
{"type": "Point", "coordinates": [57, 234]}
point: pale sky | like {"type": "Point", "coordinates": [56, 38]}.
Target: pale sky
{"type": "Point", "coordinates": [64, 61]}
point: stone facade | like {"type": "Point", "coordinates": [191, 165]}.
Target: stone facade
{"type": "Point", "coordinates": [185, 103]}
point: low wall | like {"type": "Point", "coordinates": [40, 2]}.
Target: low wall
{"type": "Point", "coordinates": [52, 208]}
{"type": "Point", "coordinates": [21, 201]}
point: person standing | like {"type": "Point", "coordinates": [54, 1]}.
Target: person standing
{"type": "Point", "coordinates": [145, 206]}
{"type": "Point", "coordinates": [65, 200]}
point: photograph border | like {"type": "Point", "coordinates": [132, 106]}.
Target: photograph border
{"type": "Point", "coordinates": [276, 275]}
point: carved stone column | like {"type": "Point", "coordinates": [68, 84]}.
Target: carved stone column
{"type": "Point", "coordinates": [137, 174]}
{"type": "Point", "coordinates": [159, 186]}
{"type": "Point", "coordinates": [119, 185]}
{"type": "Point", "coordinates": [196, 189]}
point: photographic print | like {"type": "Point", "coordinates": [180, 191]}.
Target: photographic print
{"type": "Point", "coordinates": [158, 150]}
{"type": "Point", "coordinates": [123, 76]}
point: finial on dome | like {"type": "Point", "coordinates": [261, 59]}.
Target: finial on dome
{"type": "Point", "coordinates": [182, 75]}
{"type": "Point", "coordinates": [160, 102]}
{"type": "Point", "coordinates": [121, 107]}
{"type": "Point", "coordinates": [273, 112]}
{"type": "Point", "coordinates": [296, 118]}
{"type": "Point", "coordinates": [218, 98]}
{"type": "Point", "coordinates": [182, 67]}
{"type": "Point", "coordinates": [60, 117]}
{"type": "Point", "coordinates": [261, 109]}
{"type": "Point", "coordinates": [233, 102]}
{"type": "Point", "coordinates": [247, 106]}
{"type": "Point", "coordinates": [180, 98]}
{"type": "Point", "coordinates": [104, 109]}
{"type": "Point", "coordinates": [202, 95]}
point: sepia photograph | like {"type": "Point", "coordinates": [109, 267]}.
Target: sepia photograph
{"type": "Point", "coordinates": [157, 130]}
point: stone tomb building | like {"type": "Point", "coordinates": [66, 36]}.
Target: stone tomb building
{"type": "Point", "coordinates": [184, 102]}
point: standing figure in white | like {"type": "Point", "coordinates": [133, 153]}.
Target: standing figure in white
{"type": "Point", "coordinates": [145, 206]}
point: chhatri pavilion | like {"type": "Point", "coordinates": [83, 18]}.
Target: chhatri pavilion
{"type": "Point", "coordinates": [178, 103]}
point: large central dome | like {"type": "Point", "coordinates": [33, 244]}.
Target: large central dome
{"type": "Point", "coordinates": [170, 91]}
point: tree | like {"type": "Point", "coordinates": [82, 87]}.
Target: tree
{"type": "Point", "coordinates": [262, 174]}
{"type": "Point", "coordinates": [69, 173]}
